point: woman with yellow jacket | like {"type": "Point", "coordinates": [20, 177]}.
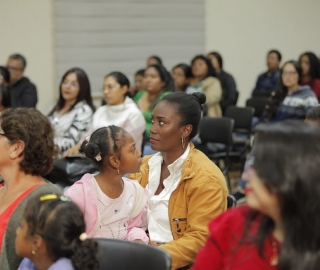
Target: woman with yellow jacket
{"type": "Point", "coordinates": [186, 189]}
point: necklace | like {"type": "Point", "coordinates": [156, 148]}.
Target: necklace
{"type": "Point", "coordinates": [275, 257]}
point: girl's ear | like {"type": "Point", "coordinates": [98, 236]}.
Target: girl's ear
{"type": "Point", "coordinates": [38, 245]}
{"type": "Point", "coordinates": [114, 162]}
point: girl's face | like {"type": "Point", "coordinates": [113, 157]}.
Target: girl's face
{"type": "Point", "coordinates": [70, 88]}
{"type": "Point", "coordinates": [113, 92]}
{"type": "Point", "coordinates": [179, 78]}
{"type": "Point", "coordinates": [258, 196]}
{"type": "Point", "coordinates": [290, 76]}
{"type": "Point", "coordinates": [152, 81]}
{"type": "Point", "coordinates": [130, 156]}
{"type": "Point", "coordinates": [23, 240]}
{"type": "Point", "coordinates": [199, 68]}
{"type": "Point", "coordinates": [305, 64]}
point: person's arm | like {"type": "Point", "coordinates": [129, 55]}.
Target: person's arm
{"type": "Point", "coordinates": [213, 90]}
{"type": "Point", "coordinates": [207, 199]}
{"type": "Point", "coordinates": [29, 97]}
{"type": "Point", "coordinates": [78, 127]}
{"type": "Point", "coordinates": [258, 85]}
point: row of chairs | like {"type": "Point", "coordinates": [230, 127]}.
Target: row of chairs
{"type": "Point", "coordinates": [226, 139]}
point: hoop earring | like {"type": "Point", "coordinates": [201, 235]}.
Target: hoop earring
{"type": "Point", "coordinates": [182, 142]}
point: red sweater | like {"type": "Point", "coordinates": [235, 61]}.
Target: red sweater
{"type": "Point", "coordinates": [315, 86]}
{"type": "Point", "coordinates": [222, 251]}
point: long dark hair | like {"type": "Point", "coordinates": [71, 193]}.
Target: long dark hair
{"type": "Point", "coordinates": [286, 159]}
{"type": "Point", "coordinates": [281, 91]}
{"type": "Point", "coordinates": [211, 71]}
{"type": "Point", "coordinates": [314, 71]}
{"type": "Point", "coordinates": [60, 223]}
{"type": "Point", "coordinates": [84, 90]}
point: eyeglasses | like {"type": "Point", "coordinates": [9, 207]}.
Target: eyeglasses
{"type": "Point", "coordinates": [14, 68]}
{"type": "Point", "coordinates": [73, 84]}
{"type": "Point", "coordinates": [290, 73]}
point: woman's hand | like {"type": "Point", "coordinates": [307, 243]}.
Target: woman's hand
{"type": "Point", "coordinates": [153, 244]}
{"type": "Point", "coordinates": [72, 151]}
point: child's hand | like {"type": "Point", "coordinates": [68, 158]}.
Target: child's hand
{"type": "Point", "coordinates": [153, 244]}
{"type": "Point", "coordinates": [138, 241]}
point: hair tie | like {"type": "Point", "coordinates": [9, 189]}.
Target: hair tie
{"type": "Point", "coordinates": [83, 237]}
{"type": "Point", "coordinates": [98, 157]}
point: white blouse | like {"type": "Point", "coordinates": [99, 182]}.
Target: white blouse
{"type": "Point", "coordinates": [158, 214]}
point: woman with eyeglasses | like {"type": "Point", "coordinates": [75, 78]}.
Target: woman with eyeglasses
{"type": "Point", "coordinates": [278, 228]}
{"type": "Point", "coordinates": [290, 100]}
{"type": "Point", "coordinates": [27, 148]}
{"type": "Point", "coordinates": [72, 115]}
{"type": "Point", "coordinates": [120, 110]}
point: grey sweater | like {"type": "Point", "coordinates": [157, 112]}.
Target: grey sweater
{"type": "Point", "coordinates": [8, 258]}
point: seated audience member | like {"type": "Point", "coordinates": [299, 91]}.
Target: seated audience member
{"type": "Point", "coordinates": [310, 65]}
{"type": "Point", "coordinates": [228, 84]}
{"type": "Point", "coordinates": [181, 74]}
{"type": "Point", "coordinates": [5, 98]}
{"type": "Point", "coordinates": [186, 189]}
{"type": "Point", "coordinates": [290, 100]}
{"type": "Point", "coordinates": [204, 79]}
{"type": "Point", "coordinates": [138, 82]}
{"type": "Point", "coordinates": [154, 60]}
{"type": "Point", "coordinates": [157, 82]}
{"type": "Point", "coordinates": [72, 115]}
{"type": "Point", "coordinates": [267, 81]}
{"type": "Point", "coordinates": [27, 149]}
{"type": "Point", "coordinates": [120, 110]}
{"type": "Point", "coordinates": [113, 206]}
{"type": "Point", "coordinates": [4, 76]}
{"type": "Point", "coordinates": [23, 92]}
{"type": "Point", "coordinates": [52, 236]}
{"type": "Point", "coordinates": [274, 230]}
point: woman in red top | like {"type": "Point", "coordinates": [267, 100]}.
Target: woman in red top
{"type": "Point", "coordinates": [27, 150]}
{"type": "Point", "coordinates": [279, 229]}
{"type": "Point", "coordinates": [310, 71]}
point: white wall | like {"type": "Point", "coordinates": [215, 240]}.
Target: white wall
{"type": "Point", "coordinates": [27, 28]}
{"type": "Point", "coordinates": [243, 32]}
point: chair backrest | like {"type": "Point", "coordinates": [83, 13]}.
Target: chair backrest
{"type": "Point", "coordinates": [258, 103]}
{"type": "Point", "coordinates": [231, 201]}
{"type": "Point", "coordinates": [242, 118]}
{"type": "Point", "coordinates": [114, 254]}
{"type": "Point", "coordinates": [216, 130]}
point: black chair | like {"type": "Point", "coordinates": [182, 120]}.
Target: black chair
{"type": "Point", "coordinates": [217, 131]}
{"type": "Point", "coordinates": [114, 254]}
{"type": "Point", "coordinates": [258, 103]}
{"type": "Point", "coordinates": [231, 201]}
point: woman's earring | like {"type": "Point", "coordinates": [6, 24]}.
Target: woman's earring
{"type": "Point", "coordinates": [118, 170]}
{"type": "Point", "coordinates": [33, 252]}
{"type": "Point", "coordinates": [182, 142]}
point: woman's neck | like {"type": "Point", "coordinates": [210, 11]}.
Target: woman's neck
{"type": "Point", "coordinates": [306, 78]}
{"type": "Point", "coordinates": [152, 96]}
{"type": "Point", "coordinates": [170, 157]}
{"type": "Point", "coordinates": [293, 88]}
{"type": "Point", "coordinates": [196, 79]}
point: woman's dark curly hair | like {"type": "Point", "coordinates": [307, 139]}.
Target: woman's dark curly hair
{"type": "Point", "coordinates": [33, 128]}
{"type": "Point", "coordinates": [60, 223]}
{"type": "Point", "coordinates": [281, 91]}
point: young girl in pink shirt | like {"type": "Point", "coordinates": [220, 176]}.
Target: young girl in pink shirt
{"type": "Point", "coordinates": [113, 206]}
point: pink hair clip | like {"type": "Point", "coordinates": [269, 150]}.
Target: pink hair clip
{"type": "Point", "coordinates": [98, 157]}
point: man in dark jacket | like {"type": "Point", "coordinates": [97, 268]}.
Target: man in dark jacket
{"type": "Point", "coordinates": [23, 92]}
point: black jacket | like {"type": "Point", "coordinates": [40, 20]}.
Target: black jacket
{"type": "Point", "coordinates": [229, 88]}
{"type": "Point", "coordinates": [23, 94]}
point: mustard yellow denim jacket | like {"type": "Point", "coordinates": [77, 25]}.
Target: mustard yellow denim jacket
{"type": "Point", "coordinates": [200, 196]}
